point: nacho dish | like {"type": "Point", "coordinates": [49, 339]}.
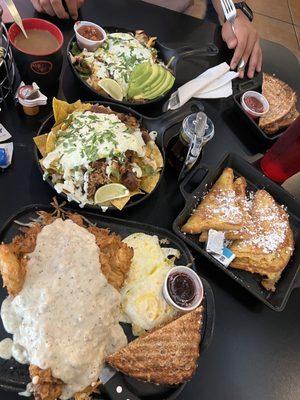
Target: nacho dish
{"type": "Point", "coordinates": [130, 61]}
{"type": "Point", "coordinates": [69, 285]}
{"type": "Point", "coordinates": [256, 227]}
{"type": "Point", "coordinates": [97, 156]}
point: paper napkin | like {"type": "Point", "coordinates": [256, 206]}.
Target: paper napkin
{"type": "Point", "coordinates": [211, 84]}
{"type": "Point", "coordinates": [219, 88]}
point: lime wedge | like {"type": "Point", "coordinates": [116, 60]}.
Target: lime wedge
{"type": "Point", "coordinates": [110, 192]}
{"type": "Point", "coordinates": [112, 88]}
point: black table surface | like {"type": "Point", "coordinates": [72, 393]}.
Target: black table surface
{"type": "Point", "coordinates": [255, 353]}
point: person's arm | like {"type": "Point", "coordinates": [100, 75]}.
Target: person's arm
{"type": "Point", "coordinates": [55, 7]}
{"type": "Point", "coordinates": [175, 5]}
{"type": "Point", "coordinates": [219, 10]}
{"type": "Point", "coordinates": [245, 40]}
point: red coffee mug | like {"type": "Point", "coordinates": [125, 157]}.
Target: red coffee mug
{"type": "Point", "coordinates": [44, 69]}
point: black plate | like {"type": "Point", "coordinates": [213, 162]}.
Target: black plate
{"type": "Point", "coordinates": [204, 177]}
{"type": "Point", "coordinates": [164, 53]}
{"type": "Point", "coordinates": [159, 124]}
{"type": "Point", "coordinates": [14, 376]}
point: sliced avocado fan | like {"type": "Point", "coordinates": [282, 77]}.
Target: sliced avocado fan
{"type": "Point", "coordinates": [149, 81]}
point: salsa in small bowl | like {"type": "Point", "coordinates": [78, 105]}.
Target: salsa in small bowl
{"type": "Point", "coordinates": [255, 104]}
{"type": "Point", "coordinates": [89, 36]}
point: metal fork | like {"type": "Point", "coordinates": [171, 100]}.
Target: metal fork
{"type": "Point", "coordinates": [230, 15]}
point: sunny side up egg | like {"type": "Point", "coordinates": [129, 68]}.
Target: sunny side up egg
{"type": "Point", "coordinates": [142, 300]}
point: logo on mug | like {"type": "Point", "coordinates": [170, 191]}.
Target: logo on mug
{"type": "Point", "coordinates": [41, 67]}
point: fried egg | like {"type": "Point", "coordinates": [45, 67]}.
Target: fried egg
{"type": "Point", "coordinates": [142, 300]}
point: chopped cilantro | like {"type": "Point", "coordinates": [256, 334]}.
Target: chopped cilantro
{"type": "Point", "coordinates": [75, 50]}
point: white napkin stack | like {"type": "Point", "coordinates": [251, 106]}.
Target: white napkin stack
{"type": "Point", "coordinates": [219, 88]}
{"type": "Point", "coordinates": [214, 83]}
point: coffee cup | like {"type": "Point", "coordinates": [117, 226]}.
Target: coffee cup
{"type": "Point", "coordinates": [38, 58]}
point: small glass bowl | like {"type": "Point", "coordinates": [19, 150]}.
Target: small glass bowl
{"type": "Point", "coordinates": [84, 43]}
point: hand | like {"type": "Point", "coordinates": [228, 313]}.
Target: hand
{"type": "Point", "coordinates": [55, 7]}
{"type": "Point", "coordinates": [245, 41]}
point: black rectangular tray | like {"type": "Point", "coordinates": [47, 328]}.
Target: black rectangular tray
{"type": "Point", "coordinates": [204, 177]}
{"type": "Point", "coordinates": [253, 129]}
{"type": "Point", "coordinates": [251, 124]}
{"type": "Point", "coordinates": [14, 376]}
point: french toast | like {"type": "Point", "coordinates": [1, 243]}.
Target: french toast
{"type": "Point", "coordinates": [282, 101]}
{"type": "Point", "coordinates": [240, 185]}
{"type": "Point", "coordinates": [270, 247]}
{"type": "Point", "coordinates": [284, 123]}
{"type": "Point", "coordinates": [219, 209]}
{"type": "Point", "coordinates": [167, 355]}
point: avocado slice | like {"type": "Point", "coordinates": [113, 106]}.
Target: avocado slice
{"type": "Point", "coordinates": [140, 70]}
{"type": "Point", "coordinates": [158, 90]}
{"type": "Point", "coordinates": [134, 85]}
{"type": "Point", "coordinates": [160, 80]}
{"type": "Point", "coordinates": [155, 74]}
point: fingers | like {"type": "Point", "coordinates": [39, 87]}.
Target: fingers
{"type": "Point", "coordinates": [241, 35]}
{"type": "Point", "coordinates": [260, 59]}
{"type": "Point", "coordinates": [228, 36]}
{"type": "Point", "coordinates": [59, 9]}
{"type": "Point", "coordinates": [252, 39]}
{"type": "Point", "coordinates": [72, 8]}
{"type": "Point", "coordinates": [255, 62]}
{"type": "Point", "coordinates": [79, 4]}
{"type": "Point", "coordinates": [37, 6]}
{"type": "Point", "coordinates": [47, 7]}
{"type": "Point", "coordinates": [55, 7]}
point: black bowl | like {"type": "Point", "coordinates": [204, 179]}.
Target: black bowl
{"type": "Point", "coordinates": [159, 124]}
{"type": "Point", "coordinates": [164, 53]}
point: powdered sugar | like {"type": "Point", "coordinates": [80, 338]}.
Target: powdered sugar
{"type": "Point", "coordinates": [225, 206]}
{"type": "Point", "coordinates": [270, 229]}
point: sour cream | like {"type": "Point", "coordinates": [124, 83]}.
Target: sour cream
{"type": "Point", "coordinates": [66, 316]}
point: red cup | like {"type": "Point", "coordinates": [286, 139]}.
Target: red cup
{"type": "Point", "coordinates": [44, 69]}
{"type": "Point", "coordinates": [282, 160]}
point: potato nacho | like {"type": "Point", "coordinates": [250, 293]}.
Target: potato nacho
{"type": "Point", "coordinates": [92, 146]}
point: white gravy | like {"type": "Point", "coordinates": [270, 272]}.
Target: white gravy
{"type": "Point", "coordinates": [66, 316]}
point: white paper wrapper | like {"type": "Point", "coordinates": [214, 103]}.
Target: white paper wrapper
{"type": "Point", "coordinates": [215, 242]}
{"type": "Point", "coordinates": [220, 93]}
{"type": "Point", "coordinates": [197, 85]}
{"type": "Point", "coordinates": [219, 88]}
{"type": "Point", "coordinates": [9, 148]}
{"type": "Point", "coordinates": [4, 134]}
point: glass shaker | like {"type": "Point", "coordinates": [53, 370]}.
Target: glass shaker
{"type": "Point", "coordinates": [197, 129]}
